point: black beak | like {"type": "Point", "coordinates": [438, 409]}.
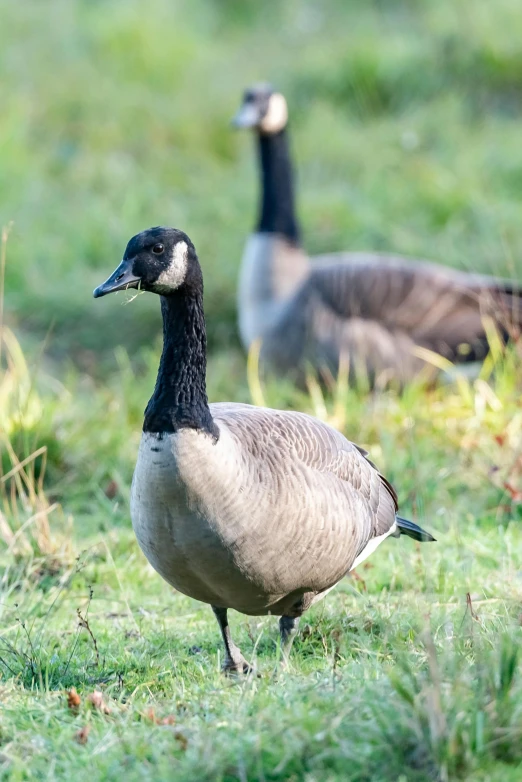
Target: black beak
{"type": "Point", "coordinates": [247, 117]}
{"type": "Point", "coordinates": [119, 280]}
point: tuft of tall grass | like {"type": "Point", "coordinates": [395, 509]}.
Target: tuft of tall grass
{"type": "Point", "coordinates": [465, 705]}
{"type": "Point", "coordinates": [25, 510]}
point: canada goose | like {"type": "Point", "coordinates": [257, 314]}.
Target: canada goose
{"type": "Point", "coordinates": [375, 310]}
{"type": "Point", "coordinates": [238, 506]}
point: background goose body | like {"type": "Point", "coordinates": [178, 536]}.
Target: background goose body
{"type": "Point", "coordinates": [377, 311]}
{"type": "Point", "coordinates": [241, 507]}
{"type": "Point", "coordinates": [374, 310]}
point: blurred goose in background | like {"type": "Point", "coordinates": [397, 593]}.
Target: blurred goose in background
{"type": "Point", "coordinates": [238, 506]}
{"type": "Point", "coordinates": [382, 313]}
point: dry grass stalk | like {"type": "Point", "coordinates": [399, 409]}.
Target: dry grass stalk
{"type": "Point", "coordinates": [24, 508]}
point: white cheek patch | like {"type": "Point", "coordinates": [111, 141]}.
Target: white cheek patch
{"type": "Point", "coordinates": [174, 274]}
{"type": "Point", "coordinates": [276, 117]}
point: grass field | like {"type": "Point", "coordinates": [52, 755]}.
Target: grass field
{"type": "Point", "coordinates": [406, 131]}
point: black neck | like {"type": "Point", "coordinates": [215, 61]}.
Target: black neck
{"type": "Point", "coordinates": [278, 202]}
{"type": "Point", "coordinates": [180, 399]}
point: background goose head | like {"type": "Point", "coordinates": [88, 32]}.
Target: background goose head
{"type": "Point", "coordinates": [160, 260]}
{"type": "Point", "coordinates": [263, 109]}
{"type": "Point", "coordinates": [274, 264]}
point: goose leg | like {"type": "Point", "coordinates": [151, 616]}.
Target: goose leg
{"type": "Point", "coordinates": [288, 629]}
{"type": "Point", "coordinates": [234, 661]}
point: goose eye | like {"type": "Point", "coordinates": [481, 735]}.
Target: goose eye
{"type": "Point", "coordinates": [158, 249]}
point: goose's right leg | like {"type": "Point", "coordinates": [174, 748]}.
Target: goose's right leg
{"type": "Point", "coordinates": [288, 630]}
{"type": "Point", "coordinates": [234, 661]}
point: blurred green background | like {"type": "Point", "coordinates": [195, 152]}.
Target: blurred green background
{"type": "Point", "coordinates": [406, 133]}
{"type": "Point", "coordinates": [405, 121]}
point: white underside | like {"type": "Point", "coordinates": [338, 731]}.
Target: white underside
{"type": "Point", "coordinates": [372, 545]}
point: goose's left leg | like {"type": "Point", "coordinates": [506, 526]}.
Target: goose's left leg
{"type": "Point", "coordinates": [234, 661]}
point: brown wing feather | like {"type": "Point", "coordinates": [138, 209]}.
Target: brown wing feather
{"type": "Point", "coordinates": [323, 450]}
{"type": "Point", "coordinates": [438, 307]}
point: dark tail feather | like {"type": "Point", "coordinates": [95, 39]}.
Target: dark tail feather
{"type": "Point", "coordinates": [510, 288]}
{"type": "Point", "coordinates": [413, 530]}
{"type": "Point", "coordinates": [508, 298]}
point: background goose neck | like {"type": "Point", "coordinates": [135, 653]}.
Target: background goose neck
{"type": "Point", "coordinates": [277, 212]}
{"type": "Point", "coordinates": [180, 397]}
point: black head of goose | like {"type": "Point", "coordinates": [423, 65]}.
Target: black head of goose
{"type": "Point", "coordinates": [380, 312]}
{"type": "Point", "coordinates": [241, 507]}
